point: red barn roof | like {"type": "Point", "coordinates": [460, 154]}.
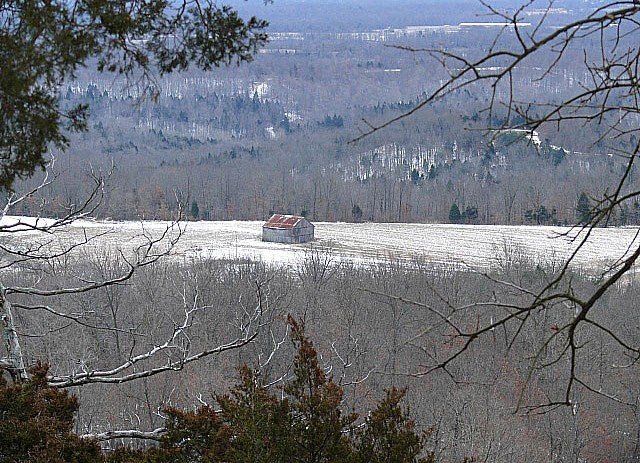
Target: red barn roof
{"type": "Point", "coordinates": [283, 221]}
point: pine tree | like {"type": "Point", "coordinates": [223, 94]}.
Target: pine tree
{"type": "Point", "coordinates": [416, 176]}
{"type": "Point", "coordinates": [36, 424]}
{"type": "Point", "coordinates": [259, 422]}
{"type": "Point", "coordinates": [195, 210]}
{"type": "Point", "coordinates": [454, 214]}
{"type": "Point", "coordinates": [390, 436]}
{"type": "Point", "coordinates": [356, 213]}
{"type": "Point", "coordinates": [318, 423]}
{"type": "Point", "coordinates": [470, 213]}
{"type": "Point", "coordinates": [583, 209]}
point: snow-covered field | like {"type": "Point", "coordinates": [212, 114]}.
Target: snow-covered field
{"type": "Point", "coordinates": [477, 246]}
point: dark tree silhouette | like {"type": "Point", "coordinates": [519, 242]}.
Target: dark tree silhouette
{"type": "Point", "coordinates": [42, 44]}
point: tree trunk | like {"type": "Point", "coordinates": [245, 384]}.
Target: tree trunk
{"type": "Point", "coordinates": [14, 362]}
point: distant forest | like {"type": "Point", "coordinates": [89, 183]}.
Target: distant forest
{"type": "Point", "coordinates": [277, 135]}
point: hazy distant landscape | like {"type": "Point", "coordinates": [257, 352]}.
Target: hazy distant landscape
{"type": "Point", "coordinates": [276, 135]}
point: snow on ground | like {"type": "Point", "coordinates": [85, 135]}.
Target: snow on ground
{"type": "Point", "coordinates": [476, 246]}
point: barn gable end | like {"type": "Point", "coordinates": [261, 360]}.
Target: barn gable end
{"type": "Point", "coordinates": [290, 229]}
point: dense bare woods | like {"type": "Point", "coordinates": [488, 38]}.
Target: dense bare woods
{"type": "Point", "coordinates": [374, 327]}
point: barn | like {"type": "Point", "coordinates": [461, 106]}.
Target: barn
{"type": "Point", "coordinates": [287, 229]}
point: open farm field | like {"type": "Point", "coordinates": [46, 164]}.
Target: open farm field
{"type": "Point", "coordinates": [475, 246]}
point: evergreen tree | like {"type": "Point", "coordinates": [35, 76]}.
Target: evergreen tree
{"type": "Point", "coordinates": [259, 422]}
{"type": "Point", "coordinates": [195, 210]}
{"type": "Point", "coordinates": [356, 213]}
{"type": "Point", "coordinates": [390, 436]}
{"type": "Point", "coordinates": [36, 424]}
{"type": "Point", "coordinates": [583, 208]}
{"type": "Point", "coordinates": [415, 176]}
{"type": "Point", "coordinates": [318, 424]}
{"type": "Point", "coordinates": [302, 422]}
{"type": "Point", "coordinates": [470, 213]}
{"type": "Point", "coordinates": [454, 214]}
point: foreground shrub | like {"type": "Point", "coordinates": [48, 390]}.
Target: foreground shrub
{"type": "Point", "coordinates": [302, 421]}
{"type": "Point", "coordinates": [36, 424]}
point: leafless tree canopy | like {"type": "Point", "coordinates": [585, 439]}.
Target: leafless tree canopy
{"type": "Point", "coordinates": [141, 350]}
{"type": "Point", "coordinates": [608, 97]}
